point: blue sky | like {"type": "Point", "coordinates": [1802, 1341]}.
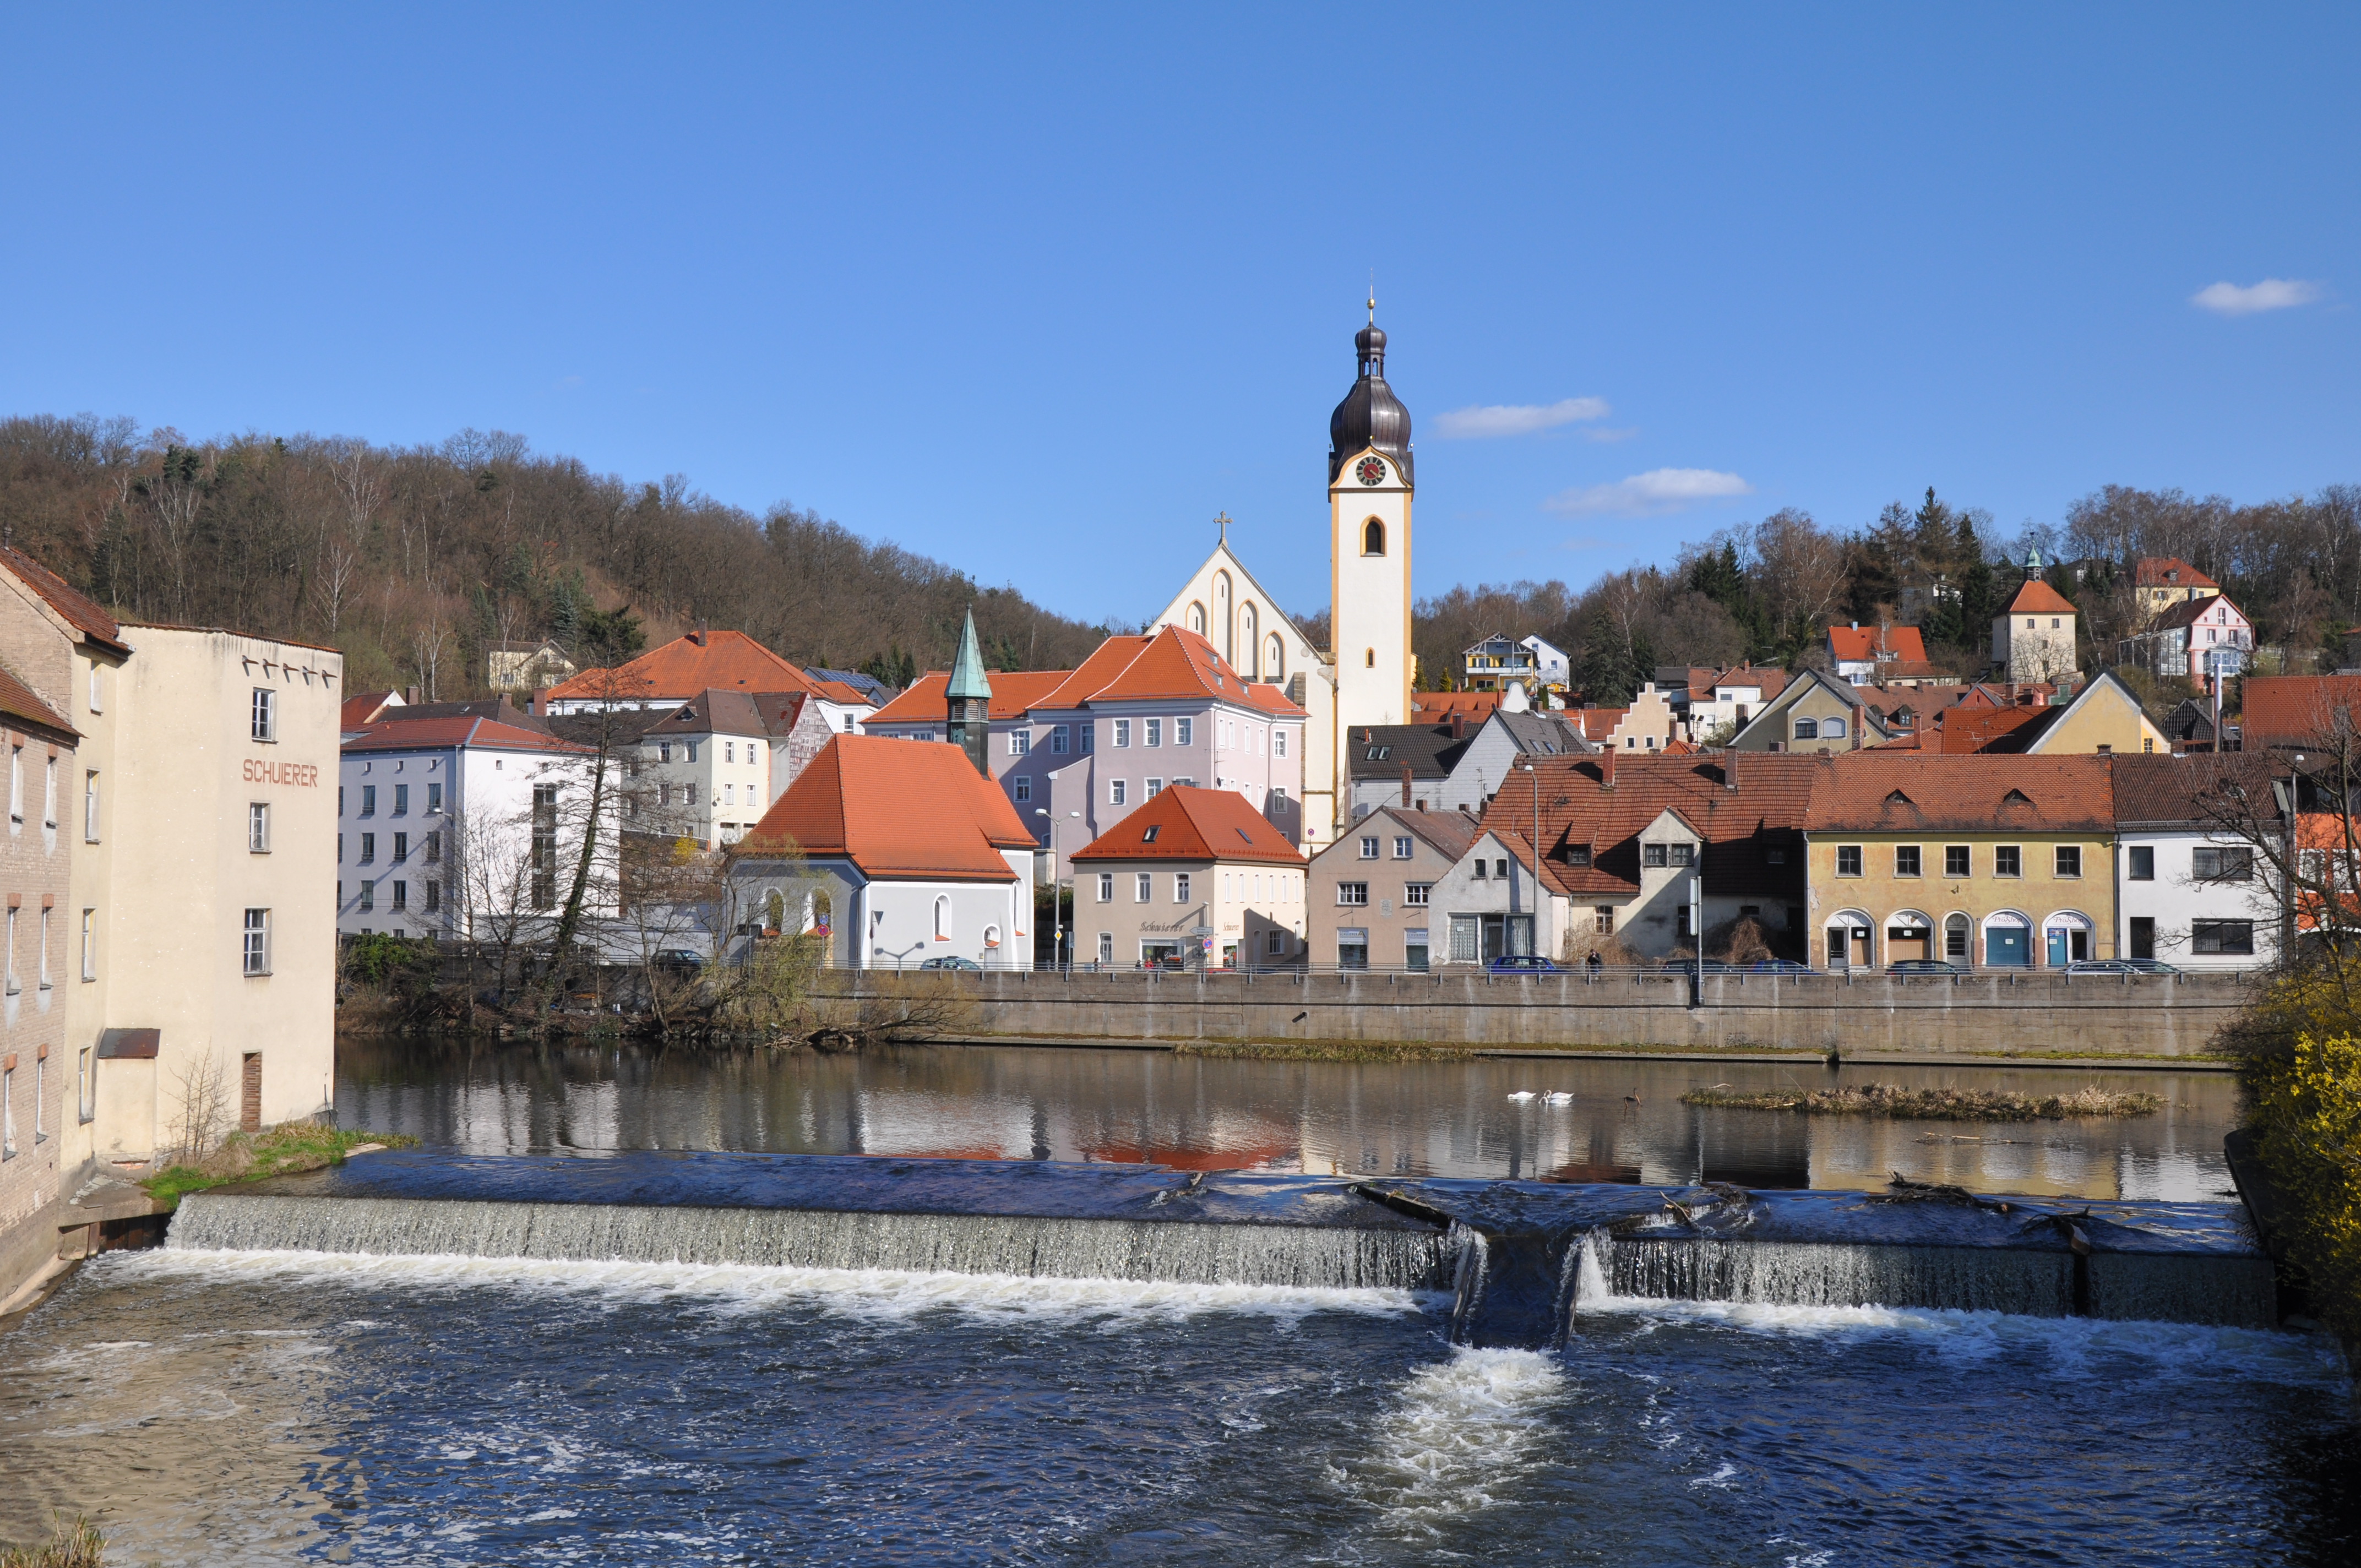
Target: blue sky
{"type": "Point", "coordinates": [1040, 291]}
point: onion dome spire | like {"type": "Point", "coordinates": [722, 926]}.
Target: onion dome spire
{"type": "Point", "coordinates": [1370, 416]}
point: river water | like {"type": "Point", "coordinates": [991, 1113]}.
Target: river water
{"type": "Point", "coordinates": [260, 1407]}
{"type": "Point", "coordinates": [1618, 1121]}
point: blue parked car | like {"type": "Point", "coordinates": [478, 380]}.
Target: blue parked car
{"type": "Point", "coordinates": [1523, 963]}
{"type": "Point", "coordinates": [1778, 966]}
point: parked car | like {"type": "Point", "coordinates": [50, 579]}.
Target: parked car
{"type": "Point", "coordinates": [2120, 966]}
{"type": "Point", "coordinates": [1523, 963]}
{"type": "Point", "coordinates": [1779, 966]}
{"type": "Point", "coordinates": [679, 959]}
{"type": "Point", "coordinates": [1925, 966]}
{"type": "Point", "coordinates": [1689, 966]}
{"type": "Point", "coordinates": [952, 963]}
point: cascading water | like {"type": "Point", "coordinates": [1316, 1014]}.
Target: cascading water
{"type": "Point", "coordinates": [1520, 1258]}
{"type": "Point", "coordinates": [1334, 1257]}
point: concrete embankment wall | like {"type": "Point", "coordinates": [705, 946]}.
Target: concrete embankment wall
{"type": "Point", "coordinates": [1981, 1015]}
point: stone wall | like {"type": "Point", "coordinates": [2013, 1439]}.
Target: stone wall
{"type": "Point", "coordinates": [2037, 1014]}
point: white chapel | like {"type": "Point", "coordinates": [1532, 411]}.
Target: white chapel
{"type": "Point", "coordinates": [1364, 676]}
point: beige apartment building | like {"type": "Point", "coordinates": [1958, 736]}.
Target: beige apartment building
{"type": "Point", "coordinates": [33, 876]}
{"type": "Point", "coordinates": [197, 947]}
{"type": "Point", "coordinates": [1193, 877]}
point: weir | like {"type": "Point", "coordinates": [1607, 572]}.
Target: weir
{"type": "Point", "coordinates": [1520, 1259]}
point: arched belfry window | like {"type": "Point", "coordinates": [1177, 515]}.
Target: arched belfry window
{"type": "Point", "coordinates": [1373, 538]}
{"type": "Point", "coordinates": [1274, 658]}
{"type": "Point", "coordinates": [1197, 618]}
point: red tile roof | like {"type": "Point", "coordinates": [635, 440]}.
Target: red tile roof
{"type": "Point", "coordinates": [1188, 822]}
{"type": "Point", "coordinates": [362, 706]}
{"type": "Point", "coordinates": [2196, 788]}
{"type": "Point", "coordinates": [79, 610]}
{"type": "Point", "coordinates": [724, 661]}
{"type": "Point", "coordinates": [1014, 692]}
{"type": "Point", "coordinates": [1166, 664]}
{"type": "Point", "coordinates": [2169, 571]}
{"type": "Point", "coordinates": [910, 809]}
{"type": "Point", "coordinates": [1437, 706]}
{"type": "Point", "coordinates": [1578, 809]}
{"type": "Point", "coordinates": [18, 702]}
{"type": "Point", "coordinates": [2037, 597]}
{"type": "Point", "coordinates": [1862, 645]}
{"type": "Point", "coordinates": [426, 734]}
{"type": "Point", "coordinates": [2300, 710]}
{"type": "Point", "coordinates": [1900, 792]}
{"type": "Point", "coordinates": [1772, 679]}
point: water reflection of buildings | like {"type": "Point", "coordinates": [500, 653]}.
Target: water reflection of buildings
{"type": "Point", "coordinates": [1612, 1121]}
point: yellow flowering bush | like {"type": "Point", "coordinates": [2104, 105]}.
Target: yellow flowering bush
{"type": "Point", "coordinates": [2305, 1103]}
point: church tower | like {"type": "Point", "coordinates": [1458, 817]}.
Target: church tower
{"type": "Point", "coordinates": [969, 698]}
{"type": "Point", "coordinates": [1369, 487]}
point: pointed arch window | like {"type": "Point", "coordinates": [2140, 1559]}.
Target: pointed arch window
{"type": "Point", "coordinates": [1197, 618]}
{"type": "Point", "coordinates": [1274, 660]}
{"type": "Point", "coordinates": [943, 918]}
{"type": "Point", "coordinates": [1373, 538]}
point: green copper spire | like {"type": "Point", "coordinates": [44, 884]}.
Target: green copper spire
{"type": "Point", "coordinates": [968, 678]}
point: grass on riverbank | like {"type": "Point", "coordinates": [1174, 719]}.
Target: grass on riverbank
{"type": "Point", "coordinates": [75, 1544]}
{"type": "Point", "coordinates": [1932, 1104]}
{"type": "Point", "coordinates": [249, 1156]}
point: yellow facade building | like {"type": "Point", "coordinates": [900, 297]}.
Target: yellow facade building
{"type": "Point", "coordinates": [1990, 863]}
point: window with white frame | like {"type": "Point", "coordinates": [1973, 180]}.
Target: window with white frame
{"type": "Point", "coordinates": [435, 800]}
{"type": "Point", "coordinates": [1182, 730]}
{"type": "Point", "coordinates": [1181, 887]}
{"type": "Point", "coordinates": [1106, 887]}
{"type": "Point", "coordinates": [42, 968]}
{"type": "Point", "coordinates": [90, 944]}
{"type": "Point", "coordinates": [14, 987]}
{"type": "Point", "coordinates": [1154, 788]}
{"type": "Point", "coordinates": [1023, 788]}
{"type": "Point", "coordinates": [1061, 739]}
{"type": "Point", "coordinates": [1115, 791]}
{"type": "Point", "coordinates": [1019, 742]}
{"type": "Point", "coordinates": [1402, 848]}
{"type": "Point", "coordinates": [1278, 742]}
{"type": "Point", "coordinates": [265, 714]}
{"type": "Point", "coordinates": [86, 1092]}
{"type": "Point", "coordinates": [49, 794]}
{"type": "Point", "coordinates": [97, 690]}
{"type": "Point", "coordinates": [1145, 889]}
{"type": "Point", "coordinates": [90, 807]}
{"type": "Point", "coordinates": [1154, 730]}
{"type": "Point", "coordinates": [15, 788]}
{"type": "Point", "coordinates": [258, 827]}
{"type": "Point", "coordinates": [1122, 733]}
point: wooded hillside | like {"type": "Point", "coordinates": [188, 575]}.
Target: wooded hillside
{"type": "Point", "coordinates": [414, 561]}
{"type": "Point", "coordinates": [1767, 591]}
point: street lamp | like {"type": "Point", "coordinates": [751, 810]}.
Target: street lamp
{"type": "Point", "coordinates": [1535, 778]}
{"type": "Point", "coordinates": [1057, 905]}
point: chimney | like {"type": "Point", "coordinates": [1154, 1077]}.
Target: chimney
{"type": "Point", "coordinates": [1458, 724]}
{"type": "Point", "coordinates": [1778, 745]}
{"type": "Point", "coordinates": [410, 695]}
{"type": "Point", "coordinates": [1860, 717]}
{"type": "Point", "coordinates": [1406, 784]}
{"type": "Point", "coordinates": [1607, 767]}
{"type": "Point", "coordinates": [697, 636]}
{"type": "Point", "coordinates": [1730, 770]}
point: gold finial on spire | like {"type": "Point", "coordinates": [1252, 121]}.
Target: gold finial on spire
{"type": "Point", "coordinates": [1373, 296]}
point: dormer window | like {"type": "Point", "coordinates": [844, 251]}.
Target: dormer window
{"type": "Point", "coordinates": [1577, 854]}
{"type": "Point", "coordinates": [1153, 829]}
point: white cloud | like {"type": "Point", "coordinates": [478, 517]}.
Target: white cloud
{"type": "Point", "coordinates": [1516, 419]}
{"type": "Point", "coordinates": [1650, 494]}
{"type": "Point", "coordinates": [2270, 294]}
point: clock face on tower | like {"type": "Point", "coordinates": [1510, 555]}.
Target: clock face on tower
{"type": "Point", "coordinates": [1370, 471]}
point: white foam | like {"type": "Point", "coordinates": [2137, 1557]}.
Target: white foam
{"type": "Point", "coordinates": [1461, 1435]}
{"type": "Point", "coordinates": [2073, 1347]}
{"type": "Point", "coordinates": [879, 1294]}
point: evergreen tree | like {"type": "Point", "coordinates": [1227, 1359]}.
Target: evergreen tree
{"type": "Point", "coordinates": [1611, 669]}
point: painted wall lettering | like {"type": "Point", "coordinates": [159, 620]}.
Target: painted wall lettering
{"type": "Point", "coordinates": [301, 775]}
